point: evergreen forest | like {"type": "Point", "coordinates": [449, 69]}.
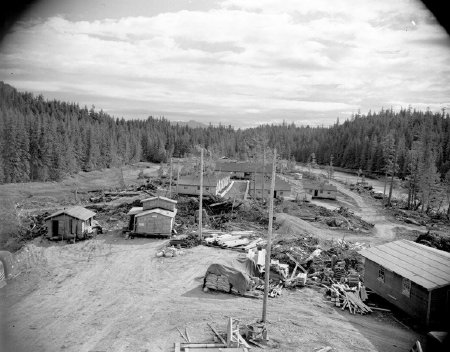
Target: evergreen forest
{"type": "Point", "coordinates": [44, 140]}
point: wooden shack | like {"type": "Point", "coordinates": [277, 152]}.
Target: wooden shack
{"type": "Point", "coordinates": [151, 222]}
{"type": "Point", "coordinates": [70, 223]}
{"type": "Point", "coordinates": [413, 277]}
{"type": "Point", "coordinates": [212, 184]}
{"type": "Point", "coordinates": [155, 217]}
{"type": "Point", "coordinates": [322, 190]}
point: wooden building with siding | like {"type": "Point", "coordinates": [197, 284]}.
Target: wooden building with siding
{"type": "Point", "coordinates": [212, 184]}
{"type": "Point", "coordinates": [151, 222]}
{"type": "Point", "coordinates": [70, 223]}
{"type": "Point", "coordinates": [323, 190]}
{"type": "Point", "coordinates": [282, 188]}
{"type": "Point", "coordinates": [155, 217]}
{"type": "Point", "coordinates": [413, 277]}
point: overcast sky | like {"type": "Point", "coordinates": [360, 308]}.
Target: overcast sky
{"type": "Point", "coordinates": [233, 61]}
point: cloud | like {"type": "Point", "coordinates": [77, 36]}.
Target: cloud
{"type": "Point", "coordinates": [260, 60]}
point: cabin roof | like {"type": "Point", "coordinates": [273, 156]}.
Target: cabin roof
{"type": "Point", "coordinates": [77, 212]}
{"type": "Point", "coordinates": [423, 265]}
{"type": "Point", "coordinates": [135, 210]}
{"type": "Point", "coordinates": [163, 212]}
{"type": "Point", "coordinates": [161, 198]}
{"type": "Point", "coordinates": [242, 166]}
{"type": "Point", "coordinates": [280, 185]}
{"type": "Point", "coordinates": [324, 186]}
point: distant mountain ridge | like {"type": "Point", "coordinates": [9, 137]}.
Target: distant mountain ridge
{"type": "Point", "coordinates": [190, 123]}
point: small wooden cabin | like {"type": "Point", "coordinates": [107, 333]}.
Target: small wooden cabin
{"type": "Point", "coordinates": [151, 222]}
{"type": "Point", "coordinates": [413, 277]}
{"type": "Point", "coordinates": [155, 217]}
{"type": "Point", "coordinates": [212, 184]}
{"type": "Point", "coordinates": [323, 190]}
{"type": "Point", "coordinates": [70, 223]}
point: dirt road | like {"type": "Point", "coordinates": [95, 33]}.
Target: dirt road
{"type": "Point", "coordinates": [384, 228]}
{"type": "Point", "coordinates": [114, 295]}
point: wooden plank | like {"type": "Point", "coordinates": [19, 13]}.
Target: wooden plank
{"type": "Point", "coordinates": [217, 334]}
{"type": "Point", "coordinates": [296, 262]}
{"type": "Point", "coordinates": [187, 334]}
{"type": "Point", "coordinates": [177, 347]}
{"type": "Point", "coordinates": [184, 337]}
{"type": "Point", "coordinates": [242, 341]}
{"type": "Point", "coordinates": [201, 345]}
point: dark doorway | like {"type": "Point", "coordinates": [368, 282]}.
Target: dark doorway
{"type": "Point", "coordinates": [316, 193]}
{"type": "Point", "coordinates": [55, 228]}
{"type": "Point", "coordinates": [131, 223]}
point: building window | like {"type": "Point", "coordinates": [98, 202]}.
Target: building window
{"type": "Point", "coordinates": [381, 274]}
{"type": "Point", "coordinates": [406, 287]}
{"type": "Point", "coordinates": [207, 188]}
{"type": "Point", "coordinates": [185, 187]}
{"type": "Point", "coordinates": [321, 191]}
{"type": "Point", "coordinates": [198, 188]}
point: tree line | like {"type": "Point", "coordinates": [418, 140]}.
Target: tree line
{"type": "Point", "coordinates": [43, 140]}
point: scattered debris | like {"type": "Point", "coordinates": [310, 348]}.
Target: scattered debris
{"type": "Point", "coordinates": [170, 252]}
{"type": "Point", "coordinates": [434, 240]}
{"type": "Point", "coordinates": [338, 218]}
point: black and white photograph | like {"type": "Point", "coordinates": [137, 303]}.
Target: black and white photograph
{"type": "Point", "coordinates": [224, 175]}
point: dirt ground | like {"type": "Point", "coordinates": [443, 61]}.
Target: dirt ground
{"type": "Point", "coordinates": [111, 294]}
{"type": "Point", "coordinates": [19, 198]}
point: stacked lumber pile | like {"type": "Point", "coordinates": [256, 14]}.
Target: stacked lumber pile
{"type": "Point", "coordinates": [238, 240]}
{"type": "Point", "coordinates": [350, 298]}
{"type": "Point", "coordinates": [217, 282]}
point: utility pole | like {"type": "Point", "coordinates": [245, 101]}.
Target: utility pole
{"type": "Point", "coordinates": [170, 179]}
{"type": "Point", "coordinates": [178, 176]}
{"type": "Point", "coordinates": [269, 239]}
{"type": "Point", "coordinates": [331, 167]}
{"type": "Point", "coordinates": [263, 173]}
{"type": "Point", "coordinates": [200, 211]}
{"type": "Point", "coordinates": [254, 178]}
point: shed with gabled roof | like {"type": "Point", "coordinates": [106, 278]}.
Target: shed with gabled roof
{"type": "Point", "coordinates": [151, 222]}
{"type": "Point", "coordinates": [159, 202]}
{"type": "Point", "coordinates": [69, 223]}
{"type": "Point", "coordinates": [413, 277]}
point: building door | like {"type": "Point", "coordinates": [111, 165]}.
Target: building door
{"type": "Point", "coordinates": [316, 193]}
{"type": "Point", "coordinates": [55, 228]}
